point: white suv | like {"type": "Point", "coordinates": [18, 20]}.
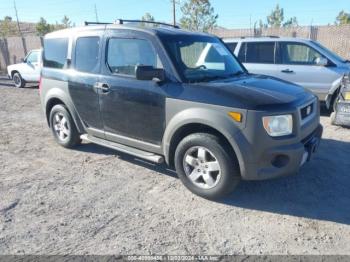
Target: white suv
{"type": "Point", "coordinates": [302, 61]}
{"type": "Point", "coordinates": [27, 71]}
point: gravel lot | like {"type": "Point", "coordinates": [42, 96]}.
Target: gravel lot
{"type": "Point", "coordinates": [93, 200]}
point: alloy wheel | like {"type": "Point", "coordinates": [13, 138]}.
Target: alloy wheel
{"type": "Point", "coordinates": [60, 125]}
{"type": "Point", "coordinates": [202, 167]}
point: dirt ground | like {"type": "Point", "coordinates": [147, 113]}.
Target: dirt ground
{"type": "Point", "coordinates": [92, 200]}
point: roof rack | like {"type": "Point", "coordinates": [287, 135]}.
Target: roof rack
{"type": "Point", "coordinates": [121, 21]}
{"type": "Point", "coordinates": [96, 23]}
{"type": "Point", "coordinates": [270, 36]}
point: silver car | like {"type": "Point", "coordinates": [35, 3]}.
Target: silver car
{"type": "Point", "coordinates": [302, 61]}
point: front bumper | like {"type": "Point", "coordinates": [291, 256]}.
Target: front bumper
{"type": "Point", "coordinates": [284, 160]}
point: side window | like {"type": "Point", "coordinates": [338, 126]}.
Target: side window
{"type": "Point", "coordinates": [123, 55]}
{"type": "Point", "coordinates": [32, 57]}
{"type": "Point", "coordinates": [260, 52]}
{"type": "Point", "coordinates": [231, 46]}
{"type": "Point", "coordinates": [55, 52]}
{"type": "Point", "coordinates": [86, 54]}
{"type": "Point", "coordinates": [298, 53]}
{"type": "Point", "coordinates": [242, 53]}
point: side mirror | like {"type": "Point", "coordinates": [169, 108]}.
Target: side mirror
{"type": "Point", "coordinates": [321, 61]}
{"type": "Point", "coordinates": [150, 73]}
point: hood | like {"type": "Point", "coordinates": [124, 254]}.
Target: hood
{"type": "Point", "coordinates": [10, 67]}
{"type": "Point", "coordinates": [254, 92]}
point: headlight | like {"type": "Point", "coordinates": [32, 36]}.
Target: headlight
{"type": "Point", "coordinates": [281, 125]}
{"type": "Point", "coordinates": [347, 95]}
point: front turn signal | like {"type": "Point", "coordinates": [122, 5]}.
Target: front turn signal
{"type": "Point", "coordinates": [236, 116]}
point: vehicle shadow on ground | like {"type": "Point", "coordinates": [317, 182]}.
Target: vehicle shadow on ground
{"type": "Point", "coordinates": [324, 111]}
{"type": "Point", "coordinates": [320, 191]}
{"type": "Point", "coordinates": [97, 149]}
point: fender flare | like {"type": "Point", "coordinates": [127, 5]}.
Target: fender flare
{"type": "Point", "coordinates": [214, 119]}
{"type": "Point", "coordinates": [57, 93]}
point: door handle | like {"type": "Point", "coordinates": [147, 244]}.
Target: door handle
{"type": "Point", "coordinates": [102, 86]}
{"type": "Point", "coordinates": [288, 71]}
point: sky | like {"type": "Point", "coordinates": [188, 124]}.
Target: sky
{"type": "Point", "coordinates": [232, 13]}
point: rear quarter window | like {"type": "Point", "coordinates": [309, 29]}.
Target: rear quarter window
{"type": "Point", "coordinates": [55, 52]}
{"type": "Point", "coordinates": [86, 54]}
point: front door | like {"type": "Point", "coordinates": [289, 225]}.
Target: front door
{"type": "Point", "coordinates": [132, 110]}
{"type": "Point", "coordinates": [298, 64]}
{"type": "Point", "coordinates": [31, 66]}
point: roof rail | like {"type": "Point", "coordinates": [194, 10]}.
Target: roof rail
{"type": "Point", "coordinates": [96, 23]}
{"type": "Point", "coordinates": [121, 21]}
{"type": "Point", "coordinates": [270, 36]}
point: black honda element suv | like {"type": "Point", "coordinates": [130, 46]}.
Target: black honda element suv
{"type": "Point", "coordinates": [164, 94]}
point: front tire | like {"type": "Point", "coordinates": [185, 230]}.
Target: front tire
{"type": "Point", "coordinates": [206, 166]}
{"type": "Point", "coordinates": [63, 127]}
{"type": "Point", "coordinates": [18, 80]}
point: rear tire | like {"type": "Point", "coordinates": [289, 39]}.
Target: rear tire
{"type": "Point", "coordinates": [18, 80]}
{"type": "Point", "coordinates": [63, 127]}
{"type": "Point", "coordinates": [206, 166]}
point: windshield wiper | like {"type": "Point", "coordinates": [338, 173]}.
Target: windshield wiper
{"type": "Point", "coordinates": [209, 78]}
{"type": "Point", "coordinates": [238, 73]}
{"type": "Point", "coordinates": [217, 77]}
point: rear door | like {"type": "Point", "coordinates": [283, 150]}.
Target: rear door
{"type": "Point", "coordinates": [86, 54]}
{"type": "Point", "coordinates": [297, 63]}
{"type": "Point", "coordinates": [259, 57]}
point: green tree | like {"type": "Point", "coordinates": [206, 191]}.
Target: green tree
{"type": "Point", "coordinates": [66, 23]}
{"type": "Point", "coordinates": [292, 22]}
{"type": "Point", "coordinates": [275, 19]}
{"type": "Point", "coordinates": [42, 27]}
{"type": "Point", "coordinates": [7, 27]}
{"type": "Point", "coordinates": [343, 18]}
{"type": "Point", "coordinates": [198, 15]}
{"type": "Point", "coordinates": [147, 17]}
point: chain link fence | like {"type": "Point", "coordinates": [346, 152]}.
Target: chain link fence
{"type": "Point", "coordinates": [336, 38]}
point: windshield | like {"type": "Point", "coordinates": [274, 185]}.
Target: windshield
{"type": "Point", "coordinates": [329, 52]}
{"type": "Point", "coordinates": [202, 58]}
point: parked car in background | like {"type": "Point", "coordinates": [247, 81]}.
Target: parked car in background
{"type": "Point", "coordinates": [341, 114]}
{"type": "Point", "coordinates": [28, 71]}
{"type": "Point", "coordinates": [302, 61]}
{"type": "Point", "coordinates": [142, 91]}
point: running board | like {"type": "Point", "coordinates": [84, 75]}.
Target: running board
{"type": "Point", "coordinates": [125, 149]}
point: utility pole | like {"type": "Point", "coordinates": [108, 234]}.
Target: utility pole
{"type": "Point", "coordinates": [96, 15]}
{"type": "Point", "coordinates": [19, 28]}
{"type": "Point", "coordinates": [174, 12]}
{"type": "Point", "coordinates": [25, 51]}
